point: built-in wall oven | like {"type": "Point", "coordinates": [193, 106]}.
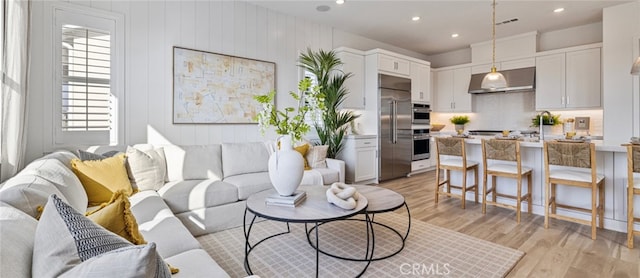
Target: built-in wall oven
{"type": "Point", "coordinates": [421, 144]}
{"type": "Point", "coordinates": [421, 114]}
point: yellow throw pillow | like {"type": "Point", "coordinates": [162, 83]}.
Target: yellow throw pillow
{"type": "Point", "coordinates": [116, 217]}
{"type": "Point", "coordinates": [101, 178]}
{"type": "Point", "coordinates": [302, 149]}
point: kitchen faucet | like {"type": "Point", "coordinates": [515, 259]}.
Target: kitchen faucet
{"type": "Point", "coordinates": [541, 122]}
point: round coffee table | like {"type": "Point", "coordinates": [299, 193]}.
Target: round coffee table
{"type": "Point", "coordinates": [380, 200]}
{"type": "Point", "coordinates": [313, 210]}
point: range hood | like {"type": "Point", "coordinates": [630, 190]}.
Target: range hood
{"type": "Point", "coordinates": [518, 80]}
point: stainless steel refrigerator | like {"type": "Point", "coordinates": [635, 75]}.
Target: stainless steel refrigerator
{"type": "Point", "coordinates": [395, 127]}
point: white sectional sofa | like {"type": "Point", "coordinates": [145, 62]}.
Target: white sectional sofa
{"type": "Point", "coordinates": [205, 191]}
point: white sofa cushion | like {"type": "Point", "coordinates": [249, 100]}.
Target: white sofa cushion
{"type": "Point", "coordinates": [63, 156]}
{"type": "Point", "coordinates": [17, 230]}
{"type": "Point", "coordinates": [169, 234]}
{"type": "Point", "coordinates": [147, 169]}
{"type": "Point", "coordinates": [248, 184]}
{"type": "Point", "coordinates": [28, 192]}
{"type": "Point", "coordinates": [329, 175]}
{"type": "Point", "coordinates": [196, 263]}
{"type": "Point", "coordinates": [193, 162]}
{"type": "Point", "coordinates": [148, 205]}
{"type": "Point", "coordinates": [62, 177]}
{"type": "Point", "coordinates": [188, 195]}
{"type": "Point", "coordinates": [244, 158]}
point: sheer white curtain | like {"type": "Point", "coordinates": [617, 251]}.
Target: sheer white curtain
{"type": "Point", "coordinates": [15, 74]}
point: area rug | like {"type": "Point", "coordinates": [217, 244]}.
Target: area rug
{"type": "Point", "coordinates": [429, 251]}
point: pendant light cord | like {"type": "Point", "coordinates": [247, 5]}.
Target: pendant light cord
{"type": "Point", "coordinates": [493, 25]}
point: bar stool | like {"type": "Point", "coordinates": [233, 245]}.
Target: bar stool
{"type": "Point", "coordinates": [502, 154]}
{"type": "Point", "coordinates": [633, 189]}
{"type": "Point", "coordinates": [573, 156]}
{"type": "Point", "coordinates": [455, 160]}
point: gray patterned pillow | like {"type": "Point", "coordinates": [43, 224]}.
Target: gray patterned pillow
{"type": "Point", "coordinates": [84, 155]}
{"type": "Point", "coordinates": [65, 238]}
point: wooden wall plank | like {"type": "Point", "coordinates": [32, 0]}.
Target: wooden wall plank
{"type": "Point", "coordinates": [157, 56]}
{"type": "Point", "coordinates": [138, 115]}
{"type": "Point", "coordinates": [172, 38]}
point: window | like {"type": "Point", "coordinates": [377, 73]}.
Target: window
{"type": "Point", "coordinates": [88, 66]}
{"type": "Point", "coordinates": [86, 79]}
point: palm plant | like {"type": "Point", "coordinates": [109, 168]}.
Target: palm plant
{"type": "Point", "coordinates": [324, 65]}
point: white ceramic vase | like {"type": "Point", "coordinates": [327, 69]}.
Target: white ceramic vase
{"type": "Point", "coordinates": [286, 167]}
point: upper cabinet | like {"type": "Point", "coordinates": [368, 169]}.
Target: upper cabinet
{"type": "Point", "coordinates": [420, 83]}
{"type": "Point", "coordinates": [353, 62]}
{"type": "Point", "coordinates": [569, 80]}
{"type": "Point", "coordinates": [452, 90]}
{"type": "Point", "coordinates": [394, 65]}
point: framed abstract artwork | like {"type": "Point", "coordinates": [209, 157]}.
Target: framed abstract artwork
{"type": "Point", "coordinates": [213, 88]}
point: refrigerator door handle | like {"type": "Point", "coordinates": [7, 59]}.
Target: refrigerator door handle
{"type": "Point", "coordinates": [395, 121]}
{"type": "Point", "coordinates": [392, 122]}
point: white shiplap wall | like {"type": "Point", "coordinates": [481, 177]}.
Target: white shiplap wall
{"type": "Point", "coordinates": [152, 29]}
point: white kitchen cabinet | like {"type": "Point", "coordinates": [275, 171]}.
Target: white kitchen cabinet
{"type": "Point", "coordinates": [420, 83]}
{"type": "Point", "coordinates": [550, 81]}
{"type": "Point", "coordinates": [360, 157]}
{"type": "Point", "coordinates": [394, 65]}
{"type": "Point", "coordinates": [583, 87]}
{"type": "Point", "coordinates": [452, 90]}
{"type": "Point", "coordinates": [353, 62]}
{"type": "Point", "coordinates": [569, 80]}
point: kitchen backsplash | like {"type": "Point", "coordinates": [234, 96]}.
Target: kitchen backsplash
{"type": "Point", "coordinates": [512, 111]}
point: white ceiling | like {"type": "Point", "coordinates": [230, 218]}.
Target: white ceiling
{"type": "Point", "coordinates": [390, 21]}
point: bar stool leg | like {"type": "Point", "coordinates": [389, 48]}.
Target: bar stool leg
{"type": "Point", "coordinates": [448, 174]}
{"type": "Point", "coordinates": [630, 232]}
{"type": "Point", "coordinates": [530, 200]}
{"type": "Point", "coordinates": [494, 184]}
{"type": "Point", "coordinates": [484, 193]}
{"type": "Point", "coordinates": [475, 181]}
{"type": "Point", "coordinates": [601, 203]}
{"type": "Point", "coordinates": [464, 188]}
{"type": "Point", "coordinates": [546, 205]}
{"type": "Point", "coordinates": [553, 197]}
{"type": "Point", "coordinates": [594, 211]}
{"type": "Point", "coordinates": [519, 201]}
{"type": "Point", "coordinates": [437, 185]}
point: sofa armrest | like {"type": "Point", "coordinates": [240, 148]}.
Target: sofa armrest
{"type": "Point", "coordinates": [337, 165]}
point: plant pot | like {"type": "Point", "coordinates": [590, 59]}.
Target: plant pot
{"type": "Point", "coordinates": [286, 167]}
{"type": "Point", "coordinates": [459, 127]}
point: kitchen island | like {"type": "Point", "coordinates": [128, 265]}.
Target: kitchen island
{"type": "Point", "coordinates": [611, 162]}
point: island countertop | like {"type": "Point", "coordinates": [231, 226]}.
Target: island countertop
{"type": "Point", "coordinates": [535, 143]}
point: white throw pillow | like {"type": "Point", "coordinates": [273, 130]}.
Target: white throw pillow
{"type": "Point", "coordinates": [147, 169]}
{"type": "Point", "coordinates": [317, 156]}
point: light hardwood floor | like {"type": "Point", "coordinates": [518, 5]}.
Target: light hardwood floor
{"type": "Point", "coordinates": [563, 250]}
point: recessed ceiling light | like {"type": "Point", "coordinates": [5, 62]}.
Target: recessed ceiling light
{"type": "Point", "coordinates": [415, 18]}
{"type": "Point", "coordinates": [322, 8]}
{"type": "Point", "coordinates": [558, 10]}
{"type": "Point", "coordinates": [339, 2]}
{"type": "Point", "coordinates": [454, 35]}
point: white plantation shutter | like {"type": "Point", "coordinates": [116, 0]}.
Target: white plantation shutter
{"type": "Point", "coordinates": [86, 76]}
{"type": "Point", "coordinates": [87, 58]}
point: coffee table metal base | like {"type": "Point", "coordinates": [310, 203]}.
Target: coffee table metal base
{"type": "Point", "coordinates": [367, 258]}
{"type": "Point", "coordinates": [250, 247]}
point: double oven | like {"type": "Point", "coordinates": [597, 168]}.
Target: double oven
{"type": "Point", "coordinates": [420, 120]}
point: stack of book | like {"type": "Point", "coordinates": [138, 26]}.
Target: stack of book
{"type": "Point", "coordinates": [287, 201]}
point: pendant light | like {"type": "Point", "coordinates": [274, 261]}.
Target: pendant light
{"type": "Point", "coordinates": [635, 69]}
{"type": "Point", "coordinates": [494, 79]}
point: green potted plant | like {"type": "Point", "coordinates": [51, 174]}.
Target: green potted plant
{"type": "Point", "coordinates": [459, 121]}
{"type": "Point", "coordinates": [286, 166]}
{"type": "Point", "coordinates": [335, 121]}
{"type": "Point", "coordinates": [290, 120]}
{"type": "Point", "coordinates": [546, 120]}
